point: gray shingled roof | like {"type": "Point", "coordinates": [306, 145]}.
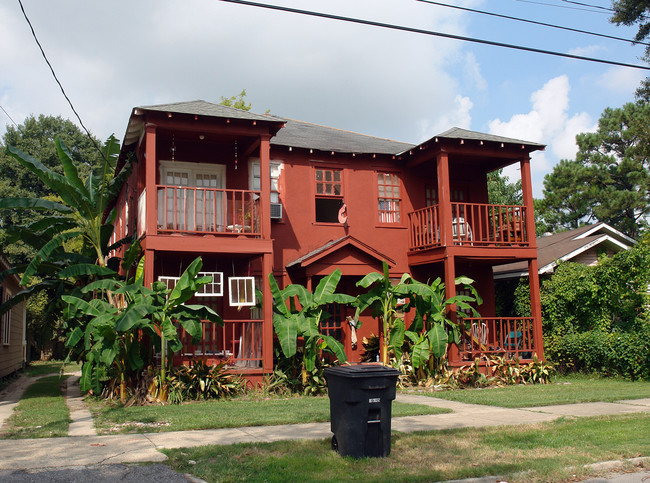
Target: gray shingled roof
{"type": "Point", "coordinates": [458, 133]}
{"type": "Point", "coordinates": [299, 134]}
{"type": "Point", "coordinates": [204, 108]}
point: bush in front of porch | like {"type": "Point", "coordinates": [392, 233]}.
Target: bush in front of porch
{"type": "Point", "coordinates": [597, 319]}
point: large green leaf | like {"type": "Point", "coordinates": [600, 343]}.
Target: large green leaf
{"type": "Point", "coordinates": [45, 252]}
{"type": "Point", "coordinates": [336, 347]}
{"type": "Point", "coordinates": [57, 183]}
{"type": "Point", "coordinates": [70, 170]}
{"type": "Point", "coordinates": [200, 312]}
{"type": "Point", "coordinates": [81, 305]}
{"type": "Point", "coordinates": [327, 286]}
{"type": "Point", "coordinates": [33, 204]}
{"type": "Point", "coordinates": [133, 314]}
{"type": "Point", "coordinates": [420, 353]}
{"type": "Point", "coordinates": [278, 300]}
{"type": "Point", "coordinates": [438, 340]}
{"type": "Point", "coordinates": [85, 269]}
{"type": "Point", "coordinates": [370, 279]}
{"type": "Point", "coordinates": [286, 329]}
{"type": "Point", "coordinates": [186, 286]}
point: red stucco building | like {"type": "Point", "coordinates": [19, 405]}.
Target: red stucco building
{"type": "Point", "coordinates": [258, 194]}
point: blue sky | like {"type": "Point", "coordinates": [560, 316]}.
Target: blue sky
{"type": "Point", "coordinates": [112, 56]}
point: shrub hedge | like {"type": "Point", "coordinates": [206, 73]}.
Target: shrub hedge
{"type": "Point", "coordinates": [597, 318]}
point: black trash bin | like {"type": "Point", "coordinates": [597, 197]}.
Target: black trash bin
{"type": "Point", "coordinates": [360, 408]}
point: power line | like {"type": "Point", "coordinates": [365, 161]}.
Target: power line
{"type": "Point", "coordinates": [431, 32]}
{"type": "Point", "coordinates": [57, 80]}
{"type": "Point", "coordinates": [609, 10]}
{"type": "Point", "coordinates": [561, 6]}
{"type": "Point", "coordinates": [519, 19]}
{"type": "Point", "coordinates": [7, 114]}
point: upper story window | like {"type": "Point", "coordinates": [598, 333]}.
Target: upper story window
{"type": "Point", "coordinates": [389, 197]}
{"type": "Point", "coordinates": [329, 194]}
{"type": "Point", "coordinates": [255, 180]}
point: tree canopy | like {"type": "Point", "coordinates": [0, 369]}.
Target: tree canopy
{"type": "Point", "coordinates": [35, 136]}
{"type": "Point", "coordinates": [609, 181]}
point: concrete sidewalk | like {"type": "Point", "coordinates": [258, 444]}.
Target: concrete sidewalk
{"type": "Point", "coordinates": [84, 449]}
{"type": "Point", "coordinates": [129, 448]}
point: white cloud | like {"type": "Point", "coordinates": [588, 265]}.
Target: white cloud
{"type": "Point", "coordinates": [473, 71]}
{"type": "Point", "coordinates": [457, 115]}
{"type": "Point", "coordinates": [548, 122]}
{"type": "Point", "coordinates": [588, 51]}
{"type": "Point", "coordinates": [620, 79]}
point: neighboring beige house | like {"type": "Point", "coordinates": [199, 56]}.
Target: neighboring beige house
{"type": "Point", "coordinates": [582, 245]}
{"type": "Point", "coordinates": [13, 327]}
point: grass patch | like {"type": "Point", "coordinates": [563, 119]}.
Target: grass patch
{"type": "Point", "coordinates": [530, 453]}
{"type": "Point", "coordinates": [571, 389]}
{"type": "Point", "coordinates": [41, 412]}
{"type": "Point", "coordinates": [230, 413]}
{"type": "Point", "coordinates": [40, 368]}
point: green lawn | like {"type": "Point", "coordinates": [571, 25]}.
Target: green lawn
{"type": "Point", "coordinates": [224, 414]}
{"type": "Point", "coordinates": [528, 453]}
{"type": "Point", "coordinates": [563, 390]}
{"type": "Point", "coordinates": [41, 412]}
{"type": "Point", "coordinates": [39, 368]}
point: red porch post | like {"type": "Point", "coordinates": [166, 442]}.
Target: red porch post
{"type": "Point", "coordinates": [533, 269]}
{"type": "Point", "coordinates": [444, 199]}
{"type": "Point", "coordinates": [150, 180]}
{"type": "Point", "coordinates": [267, 330]}
{"type": "Point", "coordinates": [447, 239]}
{"type": "Point", "coordinates": [265, 185]}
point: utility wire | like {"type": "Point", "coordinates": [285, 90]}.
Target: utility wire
{"type": "Point", "coordinates": [561, 6]}
{"type": "Point", "coordinates": [608, 9]}
{"type": "Point", "coordinates": [59, 83]}
{"type": "Point", "coordinates": [7, 114]}
{"type": "Point", "coordinates": [519, 19]}
{"type": "Point", "coordinates": [430, 32]}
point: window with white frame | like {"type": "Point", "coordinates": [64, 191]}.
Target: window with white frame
{"type": "Point", "coordinates": [214, 288]}
{"type": "Point", "coordinates": [5, 319]}
{"type": "Point", "coordinates": [170, 282]}
{"type": "Point", "coordinates": [389, 198]}
{"type": "Point", "coordinates": [255, 180]}
{"type": "Point", "coordinates": [241, 291]}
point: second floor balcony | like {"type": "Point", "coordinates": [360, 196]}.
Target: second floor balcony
{"type": "Point", "coordinates": [473, 225]}
{"type": "Point", "coordinates": [204, 211]}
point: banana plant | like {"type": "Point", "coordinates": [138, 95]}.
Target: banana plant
{"type": "Point", "coordinates": [111, 336]}
{"type": "Point", "coordinates": [291, 322]}
{"type": "Point", "coordinates": [82, 211]}
{"type": "Point", "coordinates": [382, 299]}
{"type": "Point", "coordinates": [432, 329]}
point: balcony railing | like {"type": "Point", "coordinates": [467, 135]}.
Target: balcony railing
{"type": "Point", "coordinates": [203, 210]}
{"type": "Point", "coordinates": [510, 337]}
{"type": "Point", "coordinates": [473, 224]}
{"type": "Point", "coordinates": [239, 342]}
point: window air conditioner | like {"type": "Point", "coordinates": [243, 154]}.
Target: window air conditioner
{"type": "Point", "coordinates": [276, 211]}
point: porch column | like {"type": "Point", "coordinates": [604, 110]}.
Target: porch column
{"type": "Point", "coordinates": [267, 316]}
{"type": "Point", "coordinates": [148, 267]}
{"type": "Point", "coordinates": [265, 185]}
{"type": "Point", "coordinates": [527, 192]}
{"type": "Point", "coordinates": [450, 291]}
{"type": "Point", "coordinates": [536, 307]}
{"type": "Point", "coordinates": [151, 212]}
{"type": "Point", "coordinates": [444, 200]}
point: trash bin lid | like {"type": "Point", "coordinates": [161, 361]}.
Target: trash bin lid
{"type": "Point", "coordinates": [361, 370]}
